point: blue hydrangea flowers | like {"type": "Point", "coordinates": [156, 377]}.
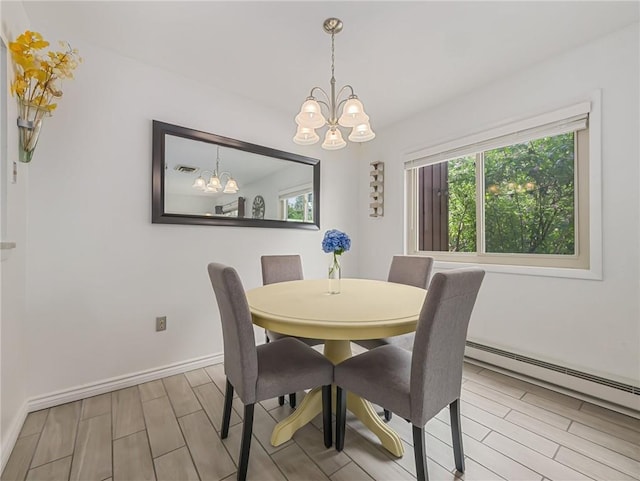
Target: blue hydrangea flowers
{"type": "Point", "coordinates": [336, 241]}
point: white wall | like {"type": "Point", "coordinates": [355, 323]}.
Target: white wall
{"type": "Point", "coordinates": [13, 379]}
{"type": "Point", "coordinates": [592, 326]}
{"type": "Point", "coordinates": [98, 271]}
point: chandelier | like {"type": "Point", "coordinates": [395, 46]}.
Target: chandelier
{"type": "Point", "coordinates": [214, 184]}
{"type": "Point", "coordinates": [353, 116]}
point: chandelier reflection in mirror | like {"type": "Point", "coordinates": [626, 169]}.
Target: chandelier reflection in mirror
{"type": "Point", "coordinates": [215, 182]}
{"type": "Point", "coordinates": [353, 116]}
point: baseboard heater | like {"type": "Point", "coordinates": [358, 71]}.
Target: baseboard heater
{"type": "Point", "coordinates": [554, 367]}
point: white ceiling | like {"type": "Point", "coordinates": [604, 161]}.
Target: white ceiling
{"type": "Point", "coordinates": [400, 57]}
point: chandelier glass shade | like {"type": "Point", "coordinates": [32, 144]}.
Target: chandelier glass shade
{"type": "Point", "coordinates": [312, 117]}
{"type": "Point", "coordinates": [215, 181]}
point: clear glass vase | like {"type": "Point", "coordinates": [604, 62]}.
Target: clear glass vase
{"type": "Point", "coordinates": [334, 274]}
{"type": "Point", "coordinates": [30, 117]}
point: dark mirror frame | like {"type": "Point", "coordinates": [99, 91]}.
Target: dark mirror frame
{"type": "Point", "coordinates": [159, 216]}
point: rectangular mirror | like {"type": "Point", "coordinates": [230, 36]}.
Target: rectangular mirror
{"type": "Point", "coordinates": [207, 179]}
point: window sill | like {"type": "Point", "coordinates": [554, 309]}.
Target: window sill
{"type": "Point", "coordinates": [587, 274]}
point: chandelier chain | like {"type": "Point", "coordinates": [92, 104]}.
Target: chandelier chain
{"type": "Point", "coordinates": [333, 56]}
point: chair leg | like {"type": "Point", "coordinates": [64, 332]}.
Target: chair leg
{"type": "Point", "coordinates": [292, 400]}
{"type": "Point", "coordinates": [281, 400]}
{"type": "Point", "coordinates": [326, 416]}
{"type": "Point", "coordinates": [341, 417]}
{"type": "Point", "coordinates": [420, 454]}
{"type": "Point", "coordinates": [245, 445]}
{"type": "Point", "coordinates": [226, 413]}
{"type": "Point", "coordinates": [387, 415]}
{"type": "Point", "coordinates": [456, 434]}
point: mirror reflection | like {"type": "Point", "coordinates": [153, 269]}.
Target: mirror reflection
{"type": "Point", "coordinates": [208, 179]}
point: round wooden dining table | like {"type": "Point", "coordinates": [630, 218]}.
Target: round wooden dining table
{"type": "Point", "coordinates": [364, 309]}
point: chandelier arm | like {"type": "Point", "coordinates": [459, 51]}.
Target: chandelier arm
{"type": "Point", "coordinates": [341, 103]}
{"type": "Point", "coordinates": [322, 102]}
{"type": "Point", "coordinates": [320, 89]}
{"type": "Point", "coordinates": [343, 89]}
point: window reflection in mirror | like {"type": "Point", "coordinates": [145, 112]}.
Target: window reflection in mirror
{"type": "Point", "coordinates": [297, 204]}
{"type": "Point", "coordinates": [208, 179]}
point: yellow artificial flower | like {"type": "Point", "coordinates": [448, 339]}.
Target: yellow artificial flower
{"type": "Point", "coordinates": [36, 84]}
{"type": "Point", "coordinates": [18, 87]}
{"type": "Point", "coordinates": [36, 75]}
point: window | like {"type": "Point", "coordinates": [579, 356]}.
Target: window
{"type": "Point", "coordinates": [519, 198]}
{"type": "Point", "coordinates": [296, 205]}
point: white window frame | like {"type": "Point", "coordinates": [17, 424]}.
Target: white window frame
{"type": "Point", "coordinates": [590, 239]}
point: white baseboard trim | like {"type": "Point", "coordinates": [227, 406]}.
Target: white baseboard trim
{"type": "Point", "coordinates": [9, 441]}
{"type": "Point", "coordinates": [604, 396]}
{"type": "Point", "coordinates": [93, 389]}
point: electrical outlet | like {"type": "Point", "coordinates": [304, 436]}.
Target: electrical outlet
{"type": "Point", "coordinates": [161, 323]}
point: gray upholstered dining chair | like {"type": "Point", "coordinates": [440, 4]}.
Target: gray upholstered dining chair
{"type": "Point", "coordinates": [412, 271]}
{"type": "Point", "coordinates": [417, 385]}
{"type": "Point", "coordinates": [283, 268]}
{"type": "Point", "coordinates": [262, 372]}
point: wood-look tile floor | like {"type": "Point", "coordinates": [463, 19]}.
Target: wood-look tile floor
{"type": "Point", "coordinates": [169, 430]}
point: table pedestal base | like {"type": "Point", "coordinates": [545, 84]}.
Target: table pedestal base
{"type": "Point", "coordinates": [311, 406]}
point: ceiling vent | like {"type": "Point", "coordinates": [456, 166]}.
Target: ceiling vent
{"type": "Point", "coordinates": [186, 169]}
